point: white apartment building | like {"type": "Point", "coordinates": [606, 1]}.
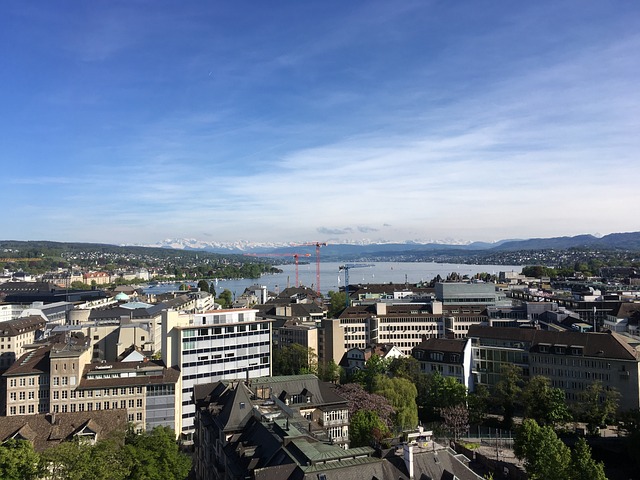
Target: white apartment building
{"type": "Point", "coordinates": [217, 345]}
{"type": "Point", "coordinates": [406, 325]}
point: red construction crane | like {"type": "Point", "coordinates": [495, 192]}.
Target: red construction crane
{"type": "Point", "coordinates": [317, 245]}
{"type": "Point", "coordinates": [296, 256]}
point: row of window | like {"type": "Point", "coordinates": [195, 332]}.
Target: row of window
{"type": "Point", "coordinates": [222, 374]}
{"type": "Point", "coordinates": [189, 348]}
{"type": "Point", "coordinates": [31, 381]}
{"type": "Point", "coordinates": [589, 375]}
{"type": "Point", "coordinates": [214, 331]}
{"type": "Point", "coordinates": [579, 362]}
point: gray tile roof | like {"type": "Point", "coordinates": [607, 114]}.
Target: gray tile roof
{"type": "Point", "coordinates": [19, 326]}
{"type": "Point", "coordinates": [51, 430]}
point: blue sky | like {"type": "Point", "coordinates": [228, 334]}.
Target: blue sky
{"type": "Point", "coordinates": [134, 121]}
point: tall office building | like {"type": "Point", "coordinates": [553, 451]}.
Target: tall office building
{"type": "Point", "coordinates": [212, 346]}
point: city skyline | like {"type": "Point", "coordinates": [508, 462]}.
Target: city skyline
{"type": "Point", "coordinates": [132, 122]}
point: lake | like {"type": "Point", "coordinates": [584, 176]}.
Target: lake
{"type": "Point", "coordinates": [331, 278]}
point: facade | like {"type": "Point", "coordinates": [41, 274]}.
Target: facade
{"type": "Point", "coordinates": [571, 360]}
{"type": "Point", "coordinates": [449, 357]}
{"type": "Point", "coordinates": [16, 335]}
{"type": "Point", "coordinates": [305, 334]}
{"type": "Point", "coordinates": [60, 378]}
{"type": "Point", "coordinates": [356, 358]}
{"type": "Point", "coordinates": [406, 325]}
{"type": "Point", "coordinates": [217, 345]}
{"type": "Point", "coordinates": [330, 341]}
{"type": "Point", "coordinates": [96, 278]}
{"type": "Point", "coordinates": [467, 293]}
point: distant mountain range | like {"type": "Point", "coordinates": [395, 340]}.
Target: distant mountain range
{"type": "Point", "coordinates": [626, 241]}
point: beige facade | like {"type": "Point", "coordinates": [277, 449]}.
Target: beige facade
{"type": "Point", "coordinates": [16, 335]}
{"type": "Point", "coordinates": [330, 341]}
{"type": "Point", "coordinates": [60, 378]}
{"type": "Point", "coordinates": [406, 325]}
{"type": "Point", "coordinates": [96, 278]}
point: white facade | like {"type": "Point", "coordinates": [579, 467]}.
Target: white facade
{"type": "Point", "coordinates": [217, 345]}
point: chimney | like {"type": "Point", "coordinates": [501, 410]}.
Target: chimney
{"type": "Point", "coordinates": [408, 459]}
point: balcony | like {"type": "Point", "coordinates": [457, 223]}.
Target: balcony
{"type": "Point", "coordinates": [334, 423]}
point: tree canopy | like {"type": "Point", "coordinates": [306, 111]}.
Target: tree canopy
{"type": "Point", "coordinates": [294, 359]}
{"type": "Point", "coordinates": [401, 394]}
{"type": "Point", "coordinates": [359, 399]}
{"type": "Point", "coordinates": [153, 455]}
{"type": "Point", "coordinates": [337, 303]}
{"type": "Point", "coordinates": [544, 403]}
{"type": "Point", "coordinates": [366, 428]}
{"type": "Point", "coordinates": [597, 406]}
{"type": "Point", "coordinates": [546, 456]}
{"type": "Point", "coordinates": [18, 460]}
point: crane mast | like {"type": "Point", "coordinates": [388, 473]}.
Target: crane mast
{"type": "Point", "coordinates": [346, 269]}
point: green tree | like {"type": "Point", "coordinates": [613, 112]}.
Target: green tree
{"type": "Point", "coordinates": [508, 391]}
{"type": "Point", "coordinates": [544, 403]}
{"type": "Point", "coordinates": [226, 298]}
{"type": "Point", "coordinates": [402, 394]}
{"type": "Point", "coordinates": [597, 406]}
{"type": "Point", "coordinates": [203, 285]}
{"type": "Point", "coordinates": [409, 368]}
{"type": "Point", "coordinates": [478, 404]}
{"type": "Point", "coordinates": [443, 392]}
{"type": "Point", "coordinates": [365, 428]}
{"type": "Point", "coordinates": [156, 455]}
{"type": "Point", "coordinates": [544, 454]}
{"type": "Point", "coordinates": [67, 461]}
{"type": "Point", "coordinates": [294, 359]}
{"type": "Point", "coordinates": [18, 460]}
{"type": "Point", "coordinates": [374, 366]}
{"type": "Point", "coordinates": [583, 466]}
{"type": "Point", "coordinates": [329, 372]}
{"type": "Point", "coordinates": [337, 303]}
